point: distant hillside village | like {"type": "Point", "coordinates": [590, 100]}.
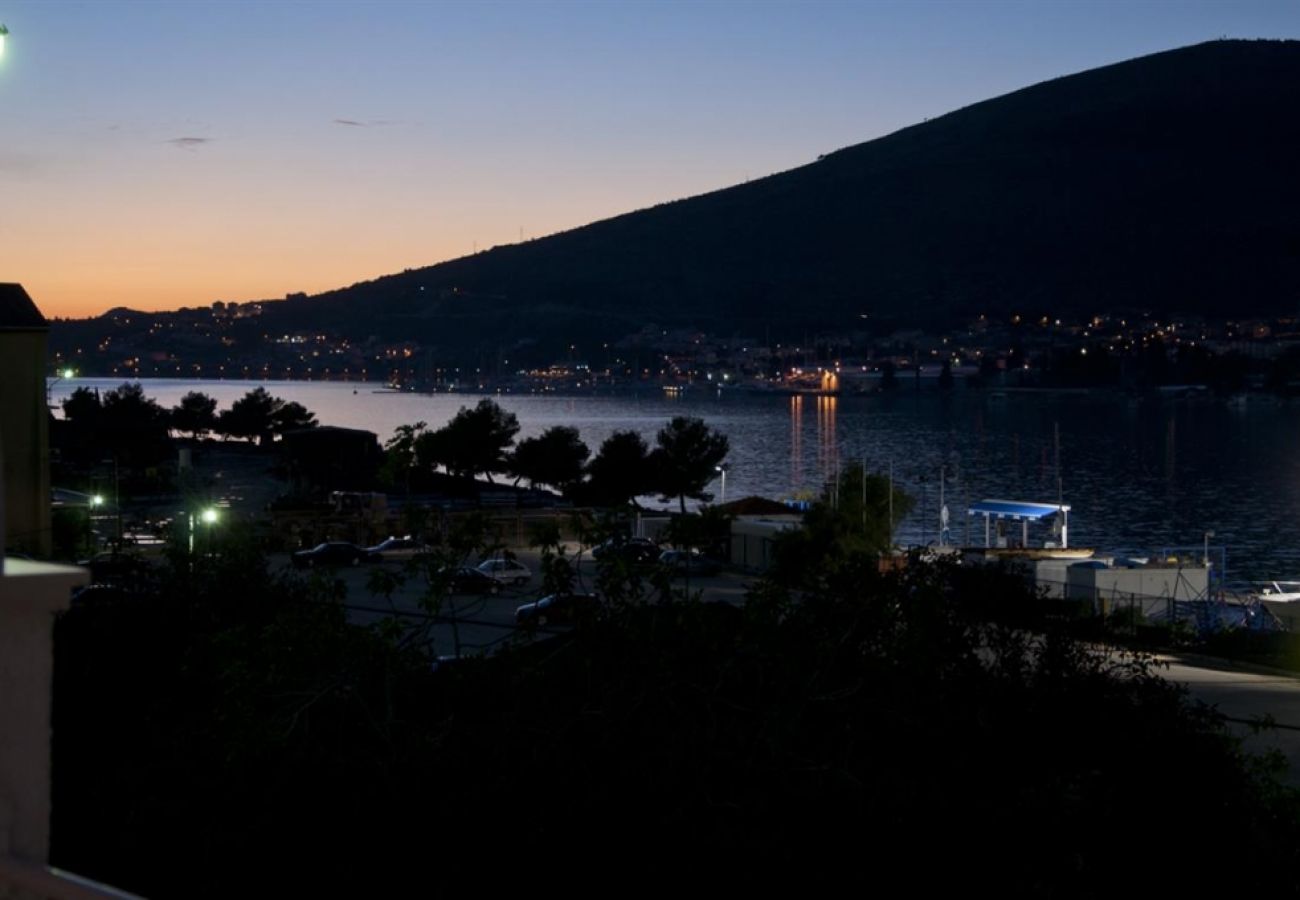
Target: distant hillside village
{"type": "Point", "coordinates": [1128, 349]}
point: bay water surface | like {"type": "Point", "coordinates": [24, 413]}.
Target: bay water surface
{"type": "Point", "coordinates": [1139, 475]}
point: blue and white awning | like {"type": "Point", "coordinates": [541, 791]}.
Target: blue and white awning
{"type": "Point", "coordinates": [1016, 510]}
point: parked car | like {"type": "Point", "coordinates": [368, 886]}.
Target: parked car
{"type": "Point", "coordinates": [689, 562]}
{"type": "Point", "coordinates": [333, 553]}
{"type": "Point", "coordinates": [506, 571]}
{"type": "Point", "coordinates": [467, 580]}
{"type": "Point", "coordinates": [557, 609]}
{"type": "Point", "coordinates": [395, 548]}
{"type": "Point", "coordinates": [102, 595]}
{"type": "Point", "coordinates": [635, 551]}
{"type": "Point", "coordinates": [112, 567]}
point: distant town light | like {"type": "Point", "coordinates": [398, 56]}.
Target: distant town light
{"type": "Point", "coordinates": [69, 373]}
{"type": "Point", "coordinates": [209, 516]}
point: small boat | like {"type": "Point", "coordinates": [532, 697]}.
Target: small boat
{"type": "Point", "coordinates": [1034, 553]}
{"type": "Point", "coordinates": [1276, 591]}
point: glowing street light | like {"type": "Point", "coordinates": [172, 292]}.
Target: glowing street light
{"type": "Point", "coordinates": [723, 471]}
{"type": "Point", "coordinates": [93, 503]}
{"type": "Point", "coordinates": [209, 516]}
{"type": "Point", "coordinates": [3, 31]}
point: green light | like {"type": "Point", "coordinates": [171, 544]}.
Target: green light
{"type": "Point", "coordinates": [209, 516]}
{"type": "Point", "coordinates": [68, 373]}
{"type": "Point", "coordinates": [97, 500]}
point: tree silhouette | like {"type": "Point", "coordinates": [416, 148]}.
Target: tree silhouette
{"type": "Point", "coordinates": [290, 415]}
{"type": "Point", "coordinates": [685, 459]}
{"type": "Point", "coordinates": [474, 441]}
{"type": "Point", "coordinates": [249, 417]}
{"type": "Point", "coordinates": [621, 471]}
{"type": "Point", "coordinates": [133, 426]}
{"type": "Point", "coordinates": [83, 407]}
{"type": "Point", "coordinates": [556, 458]}
{"type": "Point", "coordinates": [259, 416]}
{"type": "Point", "coordinates": [196, 414]}
{"type": "Point", "coordinates": [399, 455]}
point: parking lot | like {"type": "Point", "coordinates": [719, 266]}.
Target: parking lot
{"type": "Point", "coordinates": [471, 624]}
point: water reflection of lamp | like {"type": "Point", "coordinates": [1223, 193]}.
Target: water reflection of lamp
{"type": "Point", "coordinates": [723, 470]}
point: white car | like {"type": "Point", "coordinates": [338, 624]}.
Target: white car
{"type": "Point", "coordinates": [506, 571]}
{"type": "Point", "coordinates": [400, 548]}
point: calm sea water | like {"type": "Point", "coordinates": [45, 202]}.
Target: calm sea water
{"type": "Point", "coordinates": [1139, 476]}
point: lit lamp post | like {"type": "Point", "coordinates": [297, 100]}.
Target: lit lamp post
{"type": "Point", "coordinates": [722, 470]}
{"type": "Point", "coordinates": [208, 515]}
{"type": "Point", "coordinates": [1208, 535]}
{"type": "Point", "coordinates": [95, 502]}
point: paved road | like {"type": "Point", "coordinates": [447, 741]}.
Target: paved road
{"type": "Point", "coordinates": [1247, 696]}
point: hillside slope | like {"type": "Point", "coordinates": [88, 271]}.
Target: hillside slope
{"type": "Point", "coordinates": [1167, 182]}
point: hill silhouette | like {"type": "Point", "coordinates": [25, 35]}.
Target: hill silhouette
{"type": "Point", "coordinates": [1166, 182]}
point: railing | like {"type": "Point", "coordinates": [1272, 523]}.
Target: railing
{"type": "Point", "coordinates": [21, 880]}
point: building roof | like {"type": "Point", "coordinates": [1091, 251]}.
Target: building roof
{"type": "Point", "coordinates": [1016, 509]}
{"type": "Point", "coordinates": [756, 506]}
{"type": "Point", "coordinates": [17, 311]}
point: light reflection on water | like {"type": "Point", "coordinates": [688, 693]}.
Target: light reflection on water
{"type": "Point", "coordinates": [1139, 475]}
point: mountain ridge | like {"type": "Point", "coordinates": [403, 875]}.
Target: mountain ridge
{"type": "Point", "coordinates": [1161, 182]}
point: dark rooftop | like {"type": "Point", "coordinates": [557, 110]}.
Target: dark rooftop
{"type": "Point", "coordinates": [17, 311]}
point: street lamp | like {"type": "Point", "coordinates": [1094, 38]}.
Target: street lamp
{"type": "Point", "coordinates": [1208, 535]}
{"type": "Point", "coordinates": [208, 515]}
{"type": "Point", "coordinates": [93, 503]}
{"type": "Point", "coordinates": [723, 471]}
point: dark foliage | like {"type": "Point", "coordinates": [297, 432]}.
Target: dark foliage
{"type": "Point", "coordinates": [849, 520]}
{"type": "Point", "coordinates": [557, 458]}
{"type": "Point", "coordinates": [259, 416]}
{"type": "Point", "coordinates": [474, 442]}
{"type": "Point", "coordinates": [232, 724]}
{"type": "Point", "coordinates": [196, 414]}
{"type": "Point", "coordinates": [124, 425]}
{"type": "Point", "coordinates": [685, 459]}
{"type": "Point", "coordinates": [621, 470]}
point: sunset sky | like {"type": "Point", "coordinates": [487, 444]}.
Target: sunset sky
{"type": "Point", "coordinates": [159, 155]}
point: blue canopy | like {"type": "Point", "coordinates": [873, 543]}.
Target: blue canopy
{"type": "Point", "coordinates": [1016, 509]}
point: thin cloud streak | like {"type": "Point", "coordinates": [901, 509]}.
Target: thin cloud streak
{"type": "Point", "coordinates": [189, 143]}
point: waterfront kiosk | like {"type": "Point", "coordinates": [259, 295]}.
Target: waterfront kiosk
{"type": "Point", "coordinates": [1046, 564]}
{"type": "Point", "coordinates": [998, 514]}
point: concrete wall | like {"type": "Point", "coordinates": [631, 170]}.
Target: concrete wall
{"type": "Point", "coordinates": [30, 594]}
{"type": "Point", "coordinates": [1148, 589]}
{"type": "Point", "coordinates": [25, 441]}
